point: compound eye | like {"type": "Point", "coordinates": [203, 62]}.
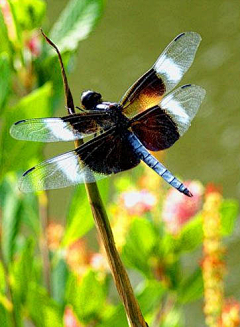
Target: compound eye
{"type": "Point", "coordinates": [97, 97]}
{"type": "Point", "coordinates": [90, 99]}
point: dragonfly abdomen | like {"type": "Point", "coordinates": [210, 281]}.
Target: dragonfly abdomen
{"type": "Point", "coordinates": [153, 163]}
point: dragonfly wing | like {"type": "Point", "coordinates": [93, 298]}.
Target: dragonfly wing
{"type": "Point", "coordinates": [165, 74]}
{"type": "Point", "coordinates": [177, 58]}
{"type": "Point", "coordinates": [107, 154]}
{"type": "Point", "coordinates": [160, 127]}
{"type": "Point", "coordinates": [58, 172]}
{"type": "Point", "coordinates": [67, 128]}
{"type": "Point", "coordinates": [182, 105]}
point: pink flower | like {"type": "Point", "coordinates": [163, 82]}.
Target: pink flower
{"type": "Point", "coordinates": [34, 45]}
{"type": "Point", "coordinates": [178, 209]}
{"type": "Point", "coordinates": [138, 202]}
{"type": "Point", "coordinates": [69, 318]}
{"type": "Point", "coordinates": [8, 19]}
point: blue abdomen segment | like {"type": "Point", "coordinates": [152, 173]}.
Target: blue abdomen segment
{"type": "Point", "coordinates": [153, 163]}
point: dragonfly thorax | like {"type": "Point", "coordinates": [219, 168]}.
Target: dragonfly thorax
{"type": "Point", "coordinates": [119, 119]}
{"type": "Point", "coordinates": [90, 99]}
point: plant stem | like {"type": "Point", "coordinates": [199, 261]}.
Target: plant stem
{"type": "Point", "coordinates": [43, 213]}
{"type": "Point", "coordinates": [135, 318]}
{"type": "Point", "coordinates": [133, 312]}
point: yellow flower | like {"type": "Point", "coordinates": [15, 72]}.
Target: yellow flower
{"type": "Point", "coordinates": [213, 267]}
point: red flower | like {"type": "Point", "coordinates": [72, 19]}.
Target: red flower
{"type": "Point", "coordinates": [230, 314]}
{"type": "Point", "coordinates": [213, 188]}
{"type": "Point", "coordinates": [178, 209]}
{"type": "Point", "coordinates": [34, 45]}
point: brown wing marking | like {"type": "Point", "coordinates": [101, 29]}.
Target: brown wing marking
{"type": "Point", "coordinates": [145, 93]}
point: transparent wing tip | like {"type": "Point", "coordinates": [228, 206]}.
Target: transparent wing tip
{"type": "Point", "coordinates": [200, 91]}
{"type": "Point", "coordinates": [24, 183]}
{"type": "Point", "coordinates": [23, 187]}
{"type": "Point", "coordinates": [30, 183]}
{"type": "Point", "coordinates": [193, 35]}
{"type": "Point", "coordinates": [14, 129]}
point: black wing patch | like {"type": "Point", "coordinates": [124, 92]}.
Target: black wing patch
{"type": "Point", "coordinates": [106, 154]}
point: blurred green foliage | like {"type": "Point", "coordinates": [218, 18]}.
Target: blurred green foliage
{"type": "Point", "coordinates": [50, 277]}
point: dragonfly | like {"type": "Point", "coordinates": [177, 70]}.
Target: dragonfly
{"type": "Point", "coordinates": [149, 117]}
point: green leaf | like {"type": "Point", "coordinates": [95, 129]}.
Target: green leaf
{"type": "Point", "coordinates": [173, 318]}
{"type": "Point", "coordinates": [5, 304]}
{"type": "Point", "coordinates": [167, 245]}
{"type": "Point", "coordinates": [5, 44]}
{"type": "Point", "coordinates": [191, 288]}
{"type": "Point", "coordinates": [229, 213]}
{"type": "Point", "coordinates": [4, 317]}
{"type": "Point", "coordinates": [59, 280]}
{"type": "Point", "coordinates": [22, 271]}
{"type": "Point", "coordinates": [191, 235]}
{"type": "Point", "coordinates": [42, 310]}
{"type": "Point", "coordinates": [149, 295]}
{"type": "Point", "coordinates": [114, 317]}
{"type": "Point", "coordinates": [11, 217]}
{"type": "Point", "coordinates": [87, 296]}
{"type": "Point", "coordinates": [75, 23]}
{"type": "Point", "coordinates": [29, 14]}
{"type": "Point", "coordinates": [16, 209]}
{"type": "Point", "coordinates": [5, 80]}
{"type": "Point", "coordinates": [30, 213]}
{"type": "Point", "coordinates": [2, 279]}
{"type": "Point", "coordinates": [36, 104]}
{"type": "Point", "coordinates": [79, 218]}
{"type": "Point", "coordinates": [140, 242]}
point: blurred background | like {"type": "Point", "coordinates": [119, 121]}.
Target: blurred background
{"type": "Point", "coordinates": [127, 41]}
{"type": "Point", "coordinates": [50, 259]}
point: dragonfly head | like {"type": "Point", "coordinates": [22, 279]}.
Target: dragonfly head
{"type": "Point", "coordinates": [90, 99]}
